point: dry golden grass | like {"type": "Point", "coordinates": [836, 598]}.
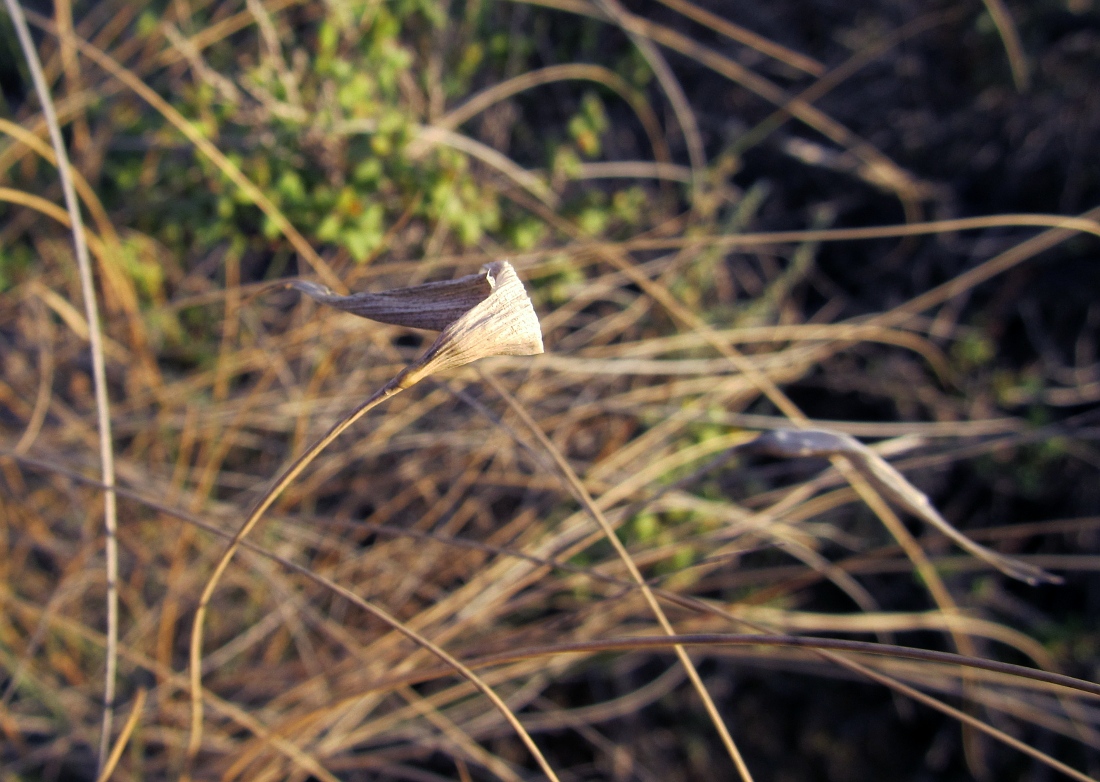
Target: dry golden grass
{"type": "Point", "coordinates": [417, 600]}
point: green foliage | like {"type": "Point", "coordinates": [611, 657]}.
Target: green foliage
{"type": "Point", "coordinates": [525, 232]}
{"type": "Point", "coordinates": [975, 349]}
{"type": "Point", "coordinates": [560, 280]}
{"type": "Point", "coordinates": [15, 261]}
{"type": "Point", "coordinates": [646, 527]}
{"type": "Point", "coordinates": [329, 141]}
{"type": "Point", "coordinates": [144, 266]}
{"type": "Point", "coordinates": [588, 125]}
{"type": "Point", "coordinates": [328, 128]}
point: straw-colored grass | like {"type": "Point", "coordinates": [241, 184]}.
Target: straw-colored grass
{"type": "Point", "coordinates": [559, 565]}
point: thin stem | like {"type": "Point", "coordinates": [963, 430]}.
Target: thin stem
{"type": "Point", "coordinates": [632, 643]}
{"type": "Point", "coordinates": [99, 377]}
{"type": "Point", "coordinates": [123, 736]}
{"type": "Point", "coordinates": [961, 716]}
{"type": "Point", "coordinates": [1017, 60]}
{"type": "Point", "coordinates": [288, 475]}
{"type": "Point", "coordinates": [671, 87]}
{"type": "Point", "coordinates": [406, 379]}
{"type": "Point", "coordinates": [581, 493]}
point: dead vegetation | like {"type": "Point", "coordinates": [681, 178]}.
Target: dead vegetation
{"type": "Point", "coordinates": [548, 564]}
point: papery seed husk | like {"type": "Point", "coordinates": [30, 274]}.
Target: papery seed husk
{"type": "Point", "coordinates": [433, 305]}
{"type": "Point", "coordinates": [479, 315]}
{"type": "Point", "coordinates": [504, 324]}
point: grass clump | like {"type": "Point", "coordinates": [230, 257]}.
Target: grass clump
{"type": "Point", "coordinates": [587, 563]}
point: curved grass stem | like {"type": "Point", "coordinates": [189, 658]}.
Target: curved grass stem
{"type": "Point", "coordinates": [479, 315]}
{"type": "Point", "coordinates": [405, 379]}
{"type": "Point", "coordinates": [269, 497]}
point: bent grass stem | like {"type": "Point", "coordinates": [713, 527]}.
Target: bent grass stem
{"type": "Point", "coordinates": [479, 315]}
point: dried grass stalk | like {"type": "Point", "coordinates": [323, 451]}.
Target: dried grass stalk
{"type": "Point", "coordinates": [481, 315]}
{"type": "Point", "coordinates": [882, 475]}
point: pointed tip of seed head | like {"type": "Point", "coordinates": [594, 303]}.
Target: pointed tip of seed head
{"type": "Point", "coordinates": [479, 315]}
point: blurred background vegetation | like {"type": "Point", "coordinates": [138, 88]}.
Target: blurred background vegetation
{"type": "Point", "coordinates": [635, 161]}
